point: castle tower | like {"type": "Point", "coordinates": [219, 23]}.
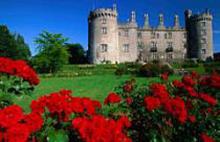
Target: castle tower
{"type": "Point", "coordinates": [200, 35]}
{"type": "Point", "coordinates": [103, 36]}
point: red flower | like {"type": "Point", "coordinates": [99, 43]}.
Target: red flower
{"type": "Point", "coordinates": [165, 76]}
{"type": "Point", "coordinates": [101, 129]}
{"type": "Point", "coordinates": [112, 98]}
{"type": "Point", "coordinates": [33, 121]}
{"type": "Point", "coordinates": [20, 69]}
{"type": "Point", "coordinates": [187, 80]}
{"type": "Point", "coordinates": [151, 103]}
{"type": "Point", "coordinates": [192, 118]}
{"type": "Point", "coordinates": [159, 90]}
{"type": "Point", "coordinates": [176, 107]}
{"type": "Point", "coordinates": [205, 138]}
{"type": "Point", "coordinates": [207, 98]}
{"type": "Point", "coordinates": [191, 91]}
{"type": "Point", "coordinates": [211, 81]}
{"type": "Point", "coordinates": [178, 84]}
{"type": "Point", "coordinates": [128, 87]}
{"type": "Point", "coordinates": [62, 104]}
{"type": "Point", "coordinates": [129, 100]}
{"type": "Point", "coordinates": [194, 75]}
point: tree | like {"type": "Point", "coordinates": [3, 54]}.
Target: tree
{"type": "Point", "coordinates": [52, 52]}
{"type": "Point", "coordinates": [24, 50]}
{"type": "Point", "coordinates": [13, 46]}
{"type": "Point", "coordinates": [77, 54]}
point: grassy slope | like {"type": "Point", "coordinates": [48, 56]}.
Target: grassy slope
{"type": "Point", "coordinates": [96, 87]}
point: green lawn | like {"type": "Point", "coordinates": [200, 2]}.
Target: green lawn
{"type": "Point", "coordinates": [96, 87]}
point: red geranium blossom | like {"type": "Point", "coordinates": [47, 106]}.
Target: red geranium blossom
{"type": "Point", "coordinates": [15, 126]}
{"type": "Point", "coordinates": [178, 84]}
{"type": "Point", "coordinates": [151, 103]}
{"type": "Point", "coordinates": [129, 100]}
{"type": "Point", "coordinates": [205, 138]}
{"type": "Point", "coordinates": [18, 68]}
{"type": "Point", "coordinates": [112, 98]}
{"type": "Point", "coordinates": [128, 87]}
{"type": "Point", "coordinates": [165, 76]}
{"type": "Point", "coordinates": [159, 90]}
{"type": "Point", "coordinates": [63, 104]}
{"type": "Point", "coordinates": [187, 80]}
{"type": "Point", "coordinates": [101, 129]}
{"type": "Point", "coordinates": [207, 98]}
{"type": "Point", "coordinates": [192, 118]}
{"type": "Point", "coordinates": [176, 107]}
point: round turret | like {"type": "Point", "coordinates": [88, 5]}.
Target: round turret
{"type": "Point", "coordinates": [199, 27]}
{"type": "Point", "coordinates": [103, 36]}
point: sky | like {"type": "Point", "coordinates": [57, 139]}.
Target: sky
{"type": "Point", "coordinates": [69, 17]}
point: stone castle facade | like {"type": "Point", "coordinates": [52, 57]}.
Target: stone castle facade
{"type": "Point", "coordinates": [115, 42]}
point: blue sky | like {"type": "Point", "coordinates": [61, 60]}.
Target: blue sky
{"type": "Point", "coordinates": [69, 17]}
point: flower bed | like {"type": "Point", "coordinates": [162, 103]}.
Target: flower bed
{"type": "Point", "coordinates": [184, 110]}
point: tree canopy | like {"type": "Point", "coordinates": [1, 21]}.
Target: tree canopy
{"type": "Point", "coordinates": [52, 54]}
{"type": "Point", "coordinates": [77, 54]}
{"type": "Point", "coordinates": [13, 45]}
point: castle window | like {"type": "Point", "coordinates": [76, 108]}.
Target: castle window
{"type": "Point", "coordinates": [126, 48]}
{"type": "Point", "coordinates": [104, 21]}
{"type": "Point", "coordinates": [169, 56]}
{"type": "Point", "coordinates": [203, 32]}
{"type": "Point", "coordinates": [170, 35]}
{"type": "Point", "coordinates": [169, 44]}
{"type": "Point", "coordinates": [126, 33]}
{"type": "Point", "coordinates": [104, 47]}
{"type": "Point", "coordinates": [153, 44]}
{"type": "Point", "coordinates": [203, 51]}
{"type": "Point", "coordinates": [165, 35]}
{"type": "Point", "coordinates": [158, 35]}
{"type": "Point", "coordinates": [169, 47]}
{"type": "Point", "coordinates": [153, 35]}
{"type": "Point", "coordinates": [185, 35]}
{"type": "Point", "coordinates": [154, 56]}
{"type": "Point", "coordinates": [203, 41]}
{"type": "Point", "coordinates": [104, 30]}
{"type": "Point", "coordinates": [203, 24]}
{"type": "Point", "coordinates": [153, 47]}
{"type": "Point", "coordinates": [139, 35]}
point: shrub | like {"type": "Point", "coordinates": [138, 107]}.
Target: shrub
{"type": "Point", "coordinates": [153, 70]}
{"type": "Point", "coordinates": [180, 111]}
{"type": "Point", "coordinates": [190, 64]}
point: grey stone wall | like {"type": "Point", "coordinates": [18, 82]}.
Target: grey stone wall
{"type": "Point", "coordinates": [112, 41]}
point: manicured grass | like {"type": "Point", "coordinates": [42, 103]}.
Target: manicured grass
{"type": "Point", "coordinates": [96, 87]}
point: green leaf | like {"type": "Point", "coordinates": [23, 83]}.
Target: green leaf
{"type": "Point", "coordinates": [57, 136]}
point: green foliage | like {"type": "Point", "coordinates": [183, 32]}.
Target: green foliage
{"type": "Point", "coordinates": [190, 64]}
{"type": "Point", "coordinates": [121, 69]}
{"type": "Point", "coordinates": [212, 66]}
{"type": "Point", "coordinates": [52, 53]}
{"type": "Point", "coordinates": [154, 69]}
{"type": "Point", "coordinates": [10, 87]}
{"type": "Point", "coordinates": [77, 54]}
{"type": "Point", "coordinates": [13, 46]}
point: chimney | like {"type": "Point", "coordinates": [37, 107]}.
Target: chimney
{"type": "Point", "coordinates": [176, 22]}
{"type": "Point", "coordinates": [133, 17]}
{"type": "Point", "coordinates": [146, 21]}
{"type": "Point", "coordinates": [161, 22]}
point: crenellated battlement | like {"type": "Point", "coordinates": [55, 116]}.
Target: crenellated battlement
{"type": "Point", "coordinates": [103, 12]}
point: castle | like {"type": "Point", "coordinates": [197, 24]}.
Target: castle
{"type": "Point", "coordinates": [115, 42]}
